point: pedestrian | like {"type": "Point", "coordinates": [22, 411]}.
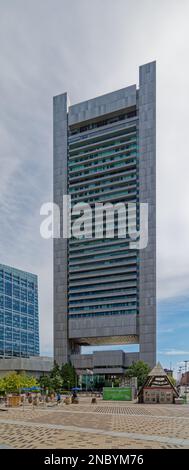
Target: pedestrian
{"type": "Point", "coordinates": [58, 398]}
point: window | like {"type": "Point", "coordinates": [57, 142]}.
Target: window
{"type": "Point", "coordinates": [1, 348]}
{"type": "Point", "coordinates": [8, 334]}
{"type": "Point", "coordinates": [8, 288]}
{"type": "Point", "coordinates": [2, 333]}
{"type": "Point", "coordinates": [30, 296]}
{"type": "Point", "coordinates": [23, 294]}
{"type": "Point", "coordinates": [30, 285]}
{"type": "Point", "coordinates": [16, 291]}
{"type": "Point", "coordinates": [23, 323]}
{"type": "Point", "coordinates": [1, 317]}
{"type": "Point", "coordinates": [1, 301]}
{"type": "Point", "coordinates": [8, 302]}
{"type": "Point", "coordinates": [30, 309]}
{"type": "Point", "coordinates": [8, 349]}
{"type": "Point", "coordinates": [23, 337]}
{"type": "Point", "coordinates": [30, 324]}
{"type": "Point", "coordinates": [1, 285]}
{"type": "Point", "coordinates": [16, 305]}
{"type": "Point", "coordinates": [16, 321]}
{"type": "Point", "coordinates": [23, 307]}
{"type": "Point", "coordinates": [8, 319]}
{"type": "Point", "coordinates": [23, 282]}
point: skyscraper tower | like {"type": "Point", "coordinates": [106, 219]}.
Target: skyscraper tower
{"type": "Point", "coordinates": [19, 313]}
{"type": "Point", "coordinates": [105, 292]}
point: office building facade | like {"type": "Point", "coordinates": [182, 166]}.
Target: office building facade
{"type": "Point", "coordinates": [105, 292]}
{"type": "Point", "coordinates": [19, 316]}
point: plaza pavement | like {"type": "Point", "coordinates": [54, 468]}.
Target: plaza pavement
{"type": "Point", "coordinates": [120, 425]}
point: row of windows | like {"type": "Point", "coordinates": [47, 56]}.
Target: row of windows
{"type": "Point", "coordinates": [104, 306]}
{"type": "Point", "coordinates": [111, 192]}
{"type": "Point", "coordinates": [104, 180]}
{"type": "Point", "coordinates": [15, 291]}
{"type": "Point", "coordinates": [93, 224]}
{"type": "Point", "coordinates": [118, 312]}
{"type": "Point", "coordinates": [18, 322]}
{"type": "Point", "coordinates": [100, 177]}
{"type": "Point", "coordinates": [101, 272]}
{"type": "Point", "coordinates": [103, 157]}
{"type": "Point", "coordinates": [8, 327]}
{"type": "Point", "coordinates": [15, 335]}
{"type": "Point", "coordinates": [105, 122]}
{"type": "Point", "coordinates": [103, 264]}
{"type": "Point", "coordinates": [92, 256]}
{"type": "Point", "coordinates": [101, 150]}
{"type": "Point", "coordinates": [99, 184]}
{"type": "Point", "coordinates": [17, 280]}
{"type": "Point", "coordinates": [102, 169]}
{"type": "Point", "coordinates": [16, 305]}
{"type": "Point", "coordinates": [104, 294]}
{"type": "Point", "coordinates": [104, 164]}
{"type": "Point", "coordinates": [109, 197]}
{"type": "Point", "coordinates": [96, 245]}
{"type": "Point", "coordinates": [10, 349]}
{"type": "Point", "coordinates": [87, 157]}
{"type": "Point", "coordinates": [106, 279]}
{"type": "Point", "coordinates": [94, 299]}
{"type": "Point", "coordinates": [99, 141]}
{"type": "Point", "coordinates": [74, 290]}
{"type": "Point", "coordinates": [104, 189]}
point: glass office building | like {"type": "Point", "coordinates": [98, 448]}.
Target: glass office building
{"type": "Point", "coordinates": [105, 292]}
{"type": "Point", "coordinates": [19, 315]}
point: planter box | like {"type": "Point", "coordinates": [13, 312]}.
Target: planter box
{"type": "Point", "coordinates": [14, 401]}
{"type": "Point", "coordinates": [179, 401]}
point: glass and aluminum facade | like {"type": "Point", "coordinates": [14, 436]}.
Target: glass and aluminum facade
{"type": "Point", "coordinates": [103, 167]}
{"type": "Point", "coordinates": [19, 316]}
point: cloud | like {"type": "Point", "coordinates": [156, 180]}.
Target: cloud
{"type": "Point", "coordinates": [88, 48]}
{"type": "Point", "coordinates": [166, 330]}
{"type": "Point", "coordinates": [174, 352]}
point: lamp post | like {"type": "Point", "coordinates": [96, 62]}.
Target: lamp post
{"type": "Point", "coordinates": [89, 372]}
{"type": "Point", "coordinates": [186, 366]}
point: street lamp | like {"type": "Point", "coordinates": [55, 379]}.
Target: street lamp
{"type": "Point", "coordinates": [186, 366]}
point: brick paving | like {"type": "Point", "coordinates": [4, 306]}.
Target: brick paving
{"type": "Point", "coordinates": [108, 425]}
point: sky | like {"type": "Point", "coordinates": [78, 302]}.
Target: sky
{"type": "Point", "coordinates": [88, 48]}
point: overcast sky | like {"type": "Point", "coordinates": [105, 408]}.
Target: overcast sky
{"type": "Point", "coordinates": [89, 48]}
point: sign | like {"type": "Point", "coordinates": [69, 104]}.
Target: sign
{"type": "Point", "coordinates": [116, 393]}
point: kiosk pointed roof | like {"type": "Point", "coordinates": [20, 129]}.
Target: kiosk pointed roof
{"type": "Point", "coordinates": [157, 371]}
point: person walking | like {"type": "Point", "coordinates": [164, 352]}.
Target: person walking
{"type": "Point", "coordinates": [58, 398]}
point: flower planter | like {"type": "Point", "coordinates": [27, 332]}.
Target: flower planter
{"type": "Point", "coordinates": [67, 400]}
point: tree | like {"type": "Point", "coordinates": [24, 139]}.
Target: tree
{"type": "Point", "coordinates": [2, 387]}
{"type": "Point", "coordinates": [14, 382]}
{"type": "Point", "coordinates": [57, 383]}
{"type": "Point", "coordinates": [56, 378]}
{"type": "Point", "coordinates": [45, 382]}
{"type": "Point", "coordinates": [140, 370]}
{"type": "Point", "coordinates": [55, 370]}
{"type": "Point", "coordinates": [69, 376]}
{"type": "Point", "coordinates": [27, 381]}
{"type": "Point", "coordinates": [59, 377]}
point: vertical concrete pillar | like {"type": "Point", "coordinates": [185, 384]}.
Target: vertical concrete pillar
{"type": "Point", "coordinates": [60, 244]}
{"type": "Point", "coordinates": [147, 193]}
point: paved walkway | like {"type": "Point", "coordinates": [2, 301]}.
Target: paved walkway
{"type": "Point", "coordinates": [105, 425]}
